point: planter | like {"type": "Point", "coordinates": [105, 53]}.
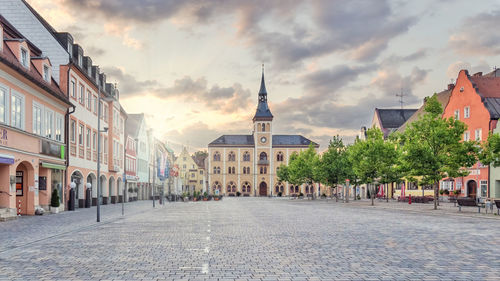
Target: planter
{"type": "Point", "coordinates": [54, 210]}
{"type": "Point", "coordinates": [205, 199]}
{"type": "Point", "coordinates": [216, 198]}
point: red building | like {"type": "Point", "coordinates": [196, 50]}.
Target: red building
{"type": "Point", "coordinates": [474, 101]}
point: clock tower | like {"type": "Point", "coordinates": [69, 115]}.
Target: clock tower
{"type": "Point", "coordinates": [263, 139]}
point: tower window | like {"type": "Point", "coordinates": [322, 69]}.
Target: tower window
{"type": "Point", "coordinates": [263, 156]}
{"type": "Point", "coordinates": [263, 127]}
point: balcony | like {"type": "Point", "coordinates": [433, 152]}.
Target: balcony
{"type": "Point", "coordinates": [263, 162]}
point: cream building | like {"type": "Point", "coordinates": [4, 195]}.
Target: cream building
{"type": "Point", "coordinates": [248, 163]}
{"type": "Point", "coordinates": [191, 175]}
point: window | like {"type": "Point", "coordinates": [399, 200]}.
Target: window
{"type": "Point", "coordinates": [89, 100]}
{"type": "Point", "coordinates": [101, 108]}
{"type": "Point", "coordinates": [263, 156]}
{"type": "Point", "coordinates": [484, 187]}
{"type": "Point", "coordinates": [94, 101]}
{"type": "Point", "coordinates": [263, 127]}
{"type": "Point", "coordinates": [59, 128]}
{"type": "Point", "coordinates": [80, 134]}
{"type": "Point", "coordinates": [37, 119]}
{"type": "Point", "coordinates": [246, 156]}
{"type": "Point", "coordinates": [184, 158]}
{"type": "Point", "coordinates": [72, 129]}
{"type": "Point", "coordinates": [246, 187]}
{"type": "Point", "coordinates": [105, 113]}
{"type": "Point", "coordinates": [263, 170]}
{"type": "Point", "coordinates": [231, 156]}
{"type": "Point", "coordinates": [73, 88]}
{"type": "Point", "coordinates": [3, 103]}
{"type": "Point", "coordinates": [216, 156]}
{"type": "Point", "coordinates": [46, 73]}
{"type": "Point", "coordinates": [201, 181]}
{"type": "Point", "coordinates": [105, 145]}
{"type": "Point", "coordinates": [412, 186]}
{"type": "Point", "coordinates": [467, 136]}
{"type": "Point", "coordinates": [94, 140]}
{"type": "Point", "coordinates": [457, 114]}
{"type": "Point", "coordinates": [192, 175]}
{"type": "Point", "coordinates": [201, 172]}
{"type": "Point", "coordinates": [467, 112]}
{"type": "Point", "coordinates": [478, 134]}
{"type": "Point", "coordinates": [81, 98]}
{"type": "Point", "coordinates": [24, 57]}
{"type": "Point", "coordinates": [80, 60]}
{"type": "Point", "coordinates": [279, 157]}
{"type": "Point", "coordinates": [17, 111]}
{"type": "Point", "coordinates": [88, 137]}
{"type": "Point", "coordinates": [49, 124]}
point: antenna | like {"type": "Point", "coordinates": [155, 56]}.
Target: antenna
{"type": "Point", "coordinates": [401, 96]}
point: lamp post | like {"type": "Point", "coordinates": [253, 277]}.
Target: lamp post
{"type": "Point", "coordinates": [72, 199]}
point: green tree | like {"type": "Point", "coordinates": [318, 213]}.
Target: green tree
{"type": "Point", "coordinates": [302, 168]}
{"type": "Point", "coordinates": [433, 148]}
{"type": "Point", "coordinates": [54, 200]}
{"type": "Point", "coordinates": [334, 167]}
{"type": "Point", "coordinates": [490, 150]}
{"type": "Point", "coordinates": [373, 160]}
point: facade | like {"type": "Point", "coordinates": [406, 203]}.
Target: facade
{"type": "Point", "coordinates": [475, 100]}
{"type": "Point", "coordinates": [190, 173]}
{"type": "Point", "coordinates": [131, 177]}
{"type": "Point", "coordinates": [33, 110]}
{"type": "Point", "coordinates": [247, 163]}
{"type": "Point", "coordinates": [83, 83]}
{"type": "Point", "coordinates": [136, 126]}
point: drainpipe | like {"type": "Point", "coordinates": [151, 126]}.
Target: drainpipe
{"type": "Point", "coordinates": [66, 139]}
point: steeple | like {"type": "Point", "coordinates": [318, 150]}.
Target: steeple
{"type": "Point", "coordinates": [263, 112]}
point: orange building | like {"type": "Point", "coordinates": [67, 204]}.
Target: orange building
{"type": "Point", "coordinates": [33, 110]}
{"type": "Point", "coordinates": [474, 101]}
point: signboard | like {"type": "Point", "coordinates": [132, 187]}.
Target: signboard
{"type": "Point", "coordinates": [42, 183]}
{"type": "Point", "coordinates": [3, 137]}
{"type": "Point", "coordinates": [217, 192]}
{"type": "Point", "coordinates": [163, 170]}
{"type": "Point", "coordinates": [19, 183]}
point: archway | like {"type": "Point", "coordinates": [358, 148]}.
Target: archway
{"type": "Point", "coordinates": [111, 187]}
{"type": "Point", "coordinates": [101, 189]}
{"type": "Point", "coordinates": [263, 189]}
{"type": "Point", "coordinates": [24, 196]}
{"type": "Point", "coordinates": [472, 189]}
{"type": "Point", "coordinates": [92, 193]}
{"type": "Point", "coordinates": [77, 178]}
{"type": "Point", "coordinates": [119, 187]}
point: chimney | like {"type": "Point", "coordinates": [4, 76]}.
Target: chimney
{"type": "Point", "coordinates": [451, 86]}
{"type": "Point", "coordinates": [478, 74]}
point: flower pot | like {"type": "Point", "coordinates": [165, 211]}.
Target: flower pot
{"type": "Point", "coordinates": [205, 199]}
{"type": "Point", "coordinates": [216, 198]}
{"type": "Point", "coordinates": [54, 210]}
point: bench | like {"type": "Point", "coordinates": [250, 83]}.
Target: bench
{"type": "Point", "coordinates": [468, 202]}
{"type": "Point", "coordinates": [497, 202]}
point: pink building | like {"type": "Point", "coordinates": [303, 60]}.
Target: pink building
{"type": "Point", "coordinates": [33, 111]}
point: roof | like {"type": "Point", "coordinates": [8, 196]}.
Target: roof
{"type": "Point", "coordinates": [493, 106]}
{"type": "Point", "coordinates": [32, 74]}
{"type": "Point", "coordinates": [233, 140]}
{"type": "Point", "coordinates": [292, 140]}
{"type": "Point", "coordinates": [263, 111]}
{"type": "Point", "coordinates": [488, 88]}
{"type": "Point", "coordinates": [442, 97]}
{"type": "Point", "coordinates": [134, 124]}
{"type": "Point", "coordinates": [394, 118]}
{"type": "Point", "coordinates": [248, 140]}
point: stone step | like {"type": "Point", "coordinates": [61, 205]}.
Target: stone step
{"type": "Point", "coordinates": [7, 214]}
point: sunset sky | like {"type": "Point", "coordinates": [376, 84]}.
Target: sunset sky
{"type": "Point", "coordinates": [193, 67]}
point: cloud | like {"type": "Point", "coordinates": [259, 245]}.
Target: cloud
{"type": "Point", "coordinates": [95, 51]}
{"type": "Point", "coordinates": [359, 29]}
{"type": "Point", "coordinates": [454, 68]}
{"type": "Point", "coordinates": [478, 35]}
{"type": "Point", "coordinates": [223, 99]}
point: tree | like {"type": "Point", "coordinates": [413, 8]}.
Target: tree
{"type": "Point", "coordinates": [373, 160]}
{"type": "Point", "coordinates": [433, 148]}
{"type": "Point", "coordinates": [302, 168]}
{"type": "Point", "coordinates": [334, 165]}
{"type": "Point", "coordinates": [54, 200]}
{"type": "Point", "coordinates": [490, 150]}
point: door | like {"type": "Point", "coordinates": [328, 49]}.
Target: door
{"type": "Point", "coordinates": [263, 189]}
{"type": "Point", "coordinates": [471, 189]}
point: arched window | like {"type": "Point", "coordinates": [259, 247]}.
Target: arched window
{"type": "Point", "coordinates": [215, 170]}
{"type": "Point", "coordinates": [291, 188]}
{"type": "Point", "coordinates": [296, 189]}
{"type": "Point", "coordinates": [216, 185]}
{"type": "Point", "coordinates": [216, 156]}
{"type": "Point", "coordinates": [279, 157]}
{"type": "Point", "coordinates": [263, 156]}
{"type": "Point", "coordinates": [279, 188]}
{"type": "Point", "coordinates": [246, 187]}
{"type": "Point", "coordinates": [263, 170]}
{"type": "Point", "coordinates": [228, 170]}
{"type": "Point", "coordinates": [218, 170]}
{"type": "Point", "coordinates": [263, 127]}
{"type": "Point", "coordinates": [307, 189]}
{"type": "Point", "coordinates": [231, 187]}
{"type": "Point", "coordinates": [246, 156]}
{"type": "Point", "coordinates": [233, 170]}
{"type": "Point", "coordinates": [231, 156]}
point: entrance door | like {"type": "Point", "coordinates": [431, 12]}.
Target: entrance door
{"type": "Point", "coordinates": [472, 189]}
{"type": "Point", "coordinates": [263, 189]}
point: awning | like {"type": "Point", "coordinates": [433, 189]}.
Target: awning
{"type": "Point", "coordinates": [6, 159]}
{"type": "Point", "coordinates": [53, 166]}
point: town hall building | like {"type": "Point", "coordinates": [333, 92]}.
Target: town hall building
{"type": "Point", "coordinates": [247, 164]}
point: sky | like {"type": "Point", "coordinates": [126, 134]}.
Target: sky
{"type": "Point", "coordinates": [194, 67]}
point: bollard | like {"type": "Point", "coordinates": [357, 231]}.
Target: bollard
{"type": "Point", "coordinates": [409, 200]}
{"type": "Point", "coordinates": [19, 208]}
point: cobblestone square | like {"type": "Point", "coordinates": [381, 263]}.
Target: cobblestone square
{"type": "Point", "coordinates": [249, 239]}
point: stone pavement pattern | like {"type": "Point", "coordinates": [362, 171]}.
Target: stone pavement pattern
{"type": "Point", "coordinates": [253, 239]}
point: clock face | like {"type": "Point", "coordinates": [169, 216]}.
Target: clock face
{"type": "Point", "coordinates": [263, 140]}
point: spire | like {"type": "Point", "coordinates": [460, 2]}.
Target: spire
{"type": "Point", "coordinates": [263, 111]}
{"type": "Point", "coordinates": [262, 83]}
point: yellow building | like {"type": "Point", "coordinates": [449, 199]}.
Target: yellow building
{"type": "Point", "coordinates": [191, 175]}
{"type": "Point", "coordinates": [247, 164]}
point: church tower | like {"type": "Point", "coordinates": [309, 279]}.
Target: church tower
{"type": "Point", "coordinates": [262, 128]}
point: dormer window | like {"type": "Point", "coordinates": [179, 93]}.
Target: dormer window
{"type": "Point", "coordinates": [24, 57]}
{"type": "Point", "coordinates": [80, 60]}
{"type": "Point", "coordinates": [46, 73]}
{"type": "Point", "coordinates": [70, 49]}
